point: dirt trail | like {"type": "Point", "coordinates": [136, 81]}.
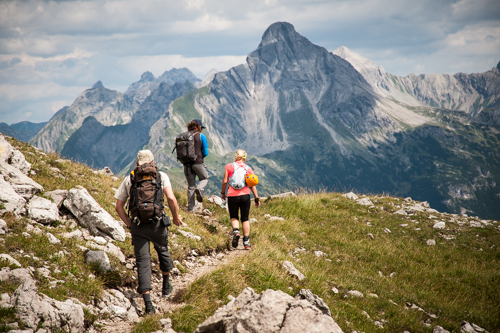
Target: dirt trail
{"type": "Point", "coordinates": [198, 266]}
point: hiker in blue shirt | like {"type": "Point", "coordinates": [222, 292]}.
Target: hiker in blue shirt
{"type": "Point", "coordinates": [198, 168]}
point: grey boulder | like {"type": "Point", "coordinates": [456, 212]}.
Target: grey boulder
{"type": "Point", "coordinates": [99, 258]}
{"type": "Point", "coordinates": [22, 184]}
{"type": "Point", "coordinates": [40, 310]}
{"type": "Point", "coordinates": [18, 161]}
{"type": "Point", "coordinates": [269, 311]}
{"type": "Point", "coordinates": [57, 196]}
{"type": "Point", "coordinates": [91, 215]}
{"type": "Point", "coordinates": [10, 200]}
{"type": "Point", "coordinates": [3, 227]}
{"type": "Point", "coordinates": [42, 210]}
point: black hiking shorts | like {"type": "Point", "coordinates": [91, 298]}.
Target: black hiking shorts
{"type": "Point", "coordinates": [237, 204]}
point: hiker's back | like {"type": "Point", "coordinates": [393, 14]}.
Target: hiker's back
{"type": "Point", "coordinates": [146, 194]}
{"type": "Point", "coordinates": [185, 145]}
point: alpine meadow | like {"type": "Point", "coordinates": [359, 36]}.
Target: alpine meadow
{"type": "Point", "coordinates": [379, 201]}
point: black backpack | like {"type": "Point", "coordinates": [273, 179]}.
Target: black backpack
{"type": "Point", "coordinates": [184, 144]}
{"type": "Point", "coordinates": [146, 194]}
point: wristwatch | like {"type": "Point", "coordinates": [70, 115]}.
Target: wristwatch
{"type": "Point", "coordinates": [257, 199]}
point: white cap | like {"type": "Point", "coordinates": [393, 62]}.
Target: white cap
{"type": "Point", "coordinates": [144, 156]}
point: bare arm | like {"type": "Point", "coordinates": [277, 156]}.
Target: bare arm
{"type": "Point", "coordinates": [172, 204]}
{"type": "Point", "coordinates": [255, 195]}
{"type": "Point", "coordinates": [121, 212]}
{"type": "Point", "coordinates": [224, 185]}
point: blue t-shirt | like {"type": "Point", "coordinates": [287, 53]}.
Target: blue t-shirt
{"type": "Point", "coordinates": [204, 145]}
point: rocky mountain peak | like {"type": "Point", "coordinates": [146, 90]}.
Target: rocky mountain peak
{"type": "Point", "coordinates": [359, 62]}
{"type": "Point", "coordinates": [278, 31]}
{"type": "Point", "coordinates": [281, 36]}
{"type": "Point", "coordinates": [180, 75]}
{"type": "Point", "coordinates": [147, 77]}
{"type": "Point", "coordinates": [98, 85]}
{"type": "Point", "coordinates": [498, 66]}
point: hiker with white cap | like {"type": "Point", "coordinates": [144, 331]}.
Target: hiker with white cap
{"type": "Point", "coordinates": [145, 189]}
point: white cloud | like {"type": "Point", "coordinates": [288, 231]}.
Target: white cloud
{"type": "Point", "coordinates": [63, 47]}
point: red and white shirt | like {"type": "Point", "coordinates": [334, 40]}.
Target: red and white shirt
{"type": "Point", "coordinates": [231, 192]}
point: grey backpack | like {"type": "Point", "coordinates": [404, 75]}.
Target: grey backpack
{"type": "Point", "coordinates": [184, 144]}
{"type": "Point", "coordinates": [237, 180]}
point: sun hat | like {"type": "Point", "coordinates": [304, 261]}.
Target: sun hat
{"type": "Point", "coordinates": [144, 156]}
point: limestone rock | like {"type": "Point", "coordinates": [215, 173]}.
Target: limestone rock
{"type": "Point", "coordinates": [281, 195]}
{"type": "Point", "coordinates": [314, 300]}
{"type": "Point", "coordinates": [12, 202]}
{"type": "Point", "coordinates": [57, 196]}
{"type": "Point", "coordinates": [365, 202]}
{"type": "Point", "coordinates": [3, 227]}
{"type": "Point", "coordinates": [9, 259]}
{"type": "Point", "coordinates": [355, 293]}
{"type": "Point", "coordinates": [52, 239]}
{"type": "Point", "coordinates": [439, 329]}
{"type": "Point", "coordinates": [188, 234]}
{"type": "Point", "coordinates": [114, 303]}
{"type": "Point", "coordinates": [351, 196]}
{"type": "Point", "coordinates": [74, 234]}
{"type": "Point", "coordinates": [18, 161]}
{"type": "Point", "coordinates": [109, 248]}
{"type": "Point", "coordinates": [100, 258]}
{"type": "Point", "coordinates": [6, 149]}
{"type": "Point", "coordinates": [471, 328]}
{"type": "Point", "coordinates": [270, 311]}
{"type": "Point", "coordinates": [42, 210]}
{"type": "Point", "coordinates": [105, 171]}
{"type": "Point", "coordinates": [290, 268]}
{"type": "Point", "coordinates": [91, 215]}
{"type": "Point", "coordinates": [34, 310]}
{"type": "Point", "coordinates": [22, 184]}
{"type": "Point", "coordinates": [439, 225]}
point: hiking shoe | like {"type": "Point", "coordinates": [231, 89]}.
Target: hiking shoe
{"type": "Point", "coordinates": [236, 239]}
{"type": "Point", "coordinates": [167, 291]}
{"type": "Point", "coordinates": [247, 245]}
{"type": "Point", "coordinates": [199, 194]}
{"type": "Point", "coordinates": [150, 309]}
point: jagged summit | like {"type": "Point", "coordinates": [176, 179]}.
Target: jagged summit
{"type": "Point", "coordinates": [98, 85]}
{"type": "Point", "coordinates": [359, 62]}
{"type": "Point", "coordinates": [280, 42]}
{"type": "Point", "coordinates": [147, 77]}
{"type": "Point", "coordinates": [180, 75]}
{"type": "Point", "coordinates": [278, 31]}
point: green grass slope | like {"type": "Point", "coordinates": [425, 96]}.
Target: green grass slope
{"type": "Point", "coordinates": [455, 280]}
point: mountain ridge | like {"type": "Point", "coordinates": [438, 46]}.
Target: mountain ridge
{"type": "Point", "coordinates": [309, 118]}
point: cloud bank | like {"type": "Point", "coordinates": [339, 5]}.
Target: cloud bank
{"type": "Point", "coordinates": [50, 51]}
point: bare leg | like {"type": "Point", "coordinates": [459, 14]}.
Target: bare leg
{"type": "Point", "coordinates": [235, 223]}
{"type": "Point", "coordinates": [246, 228]}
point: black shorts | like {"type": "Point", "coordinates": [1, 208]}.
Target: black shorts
{"type": "Point", "coordinates": [241, 203]}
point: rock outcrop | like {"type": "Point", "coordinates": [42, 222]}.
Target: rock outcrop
{"type": "Point", "coordinates": [34, 309]}
{"type": "Point", "coordinates": [269, 311]}
{"type": "Point", "coordinates": [91, 215]}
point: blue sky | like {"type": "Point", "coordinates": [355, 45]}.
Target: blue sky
{"type": "Point", "coordinates": [51, 51]}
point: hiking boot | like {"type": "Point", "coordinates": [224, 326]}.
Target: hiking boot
{"type": "Point", "coordinates": [199, 194]}
{"type": "Point", "coordinates": [236, 239]}
{"type": "Point", "coordinates": [167, 290]}
{"type": "Point", "coordinates": [247, 245]}
{"type": "Point", "coordinates": [150, 309]}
